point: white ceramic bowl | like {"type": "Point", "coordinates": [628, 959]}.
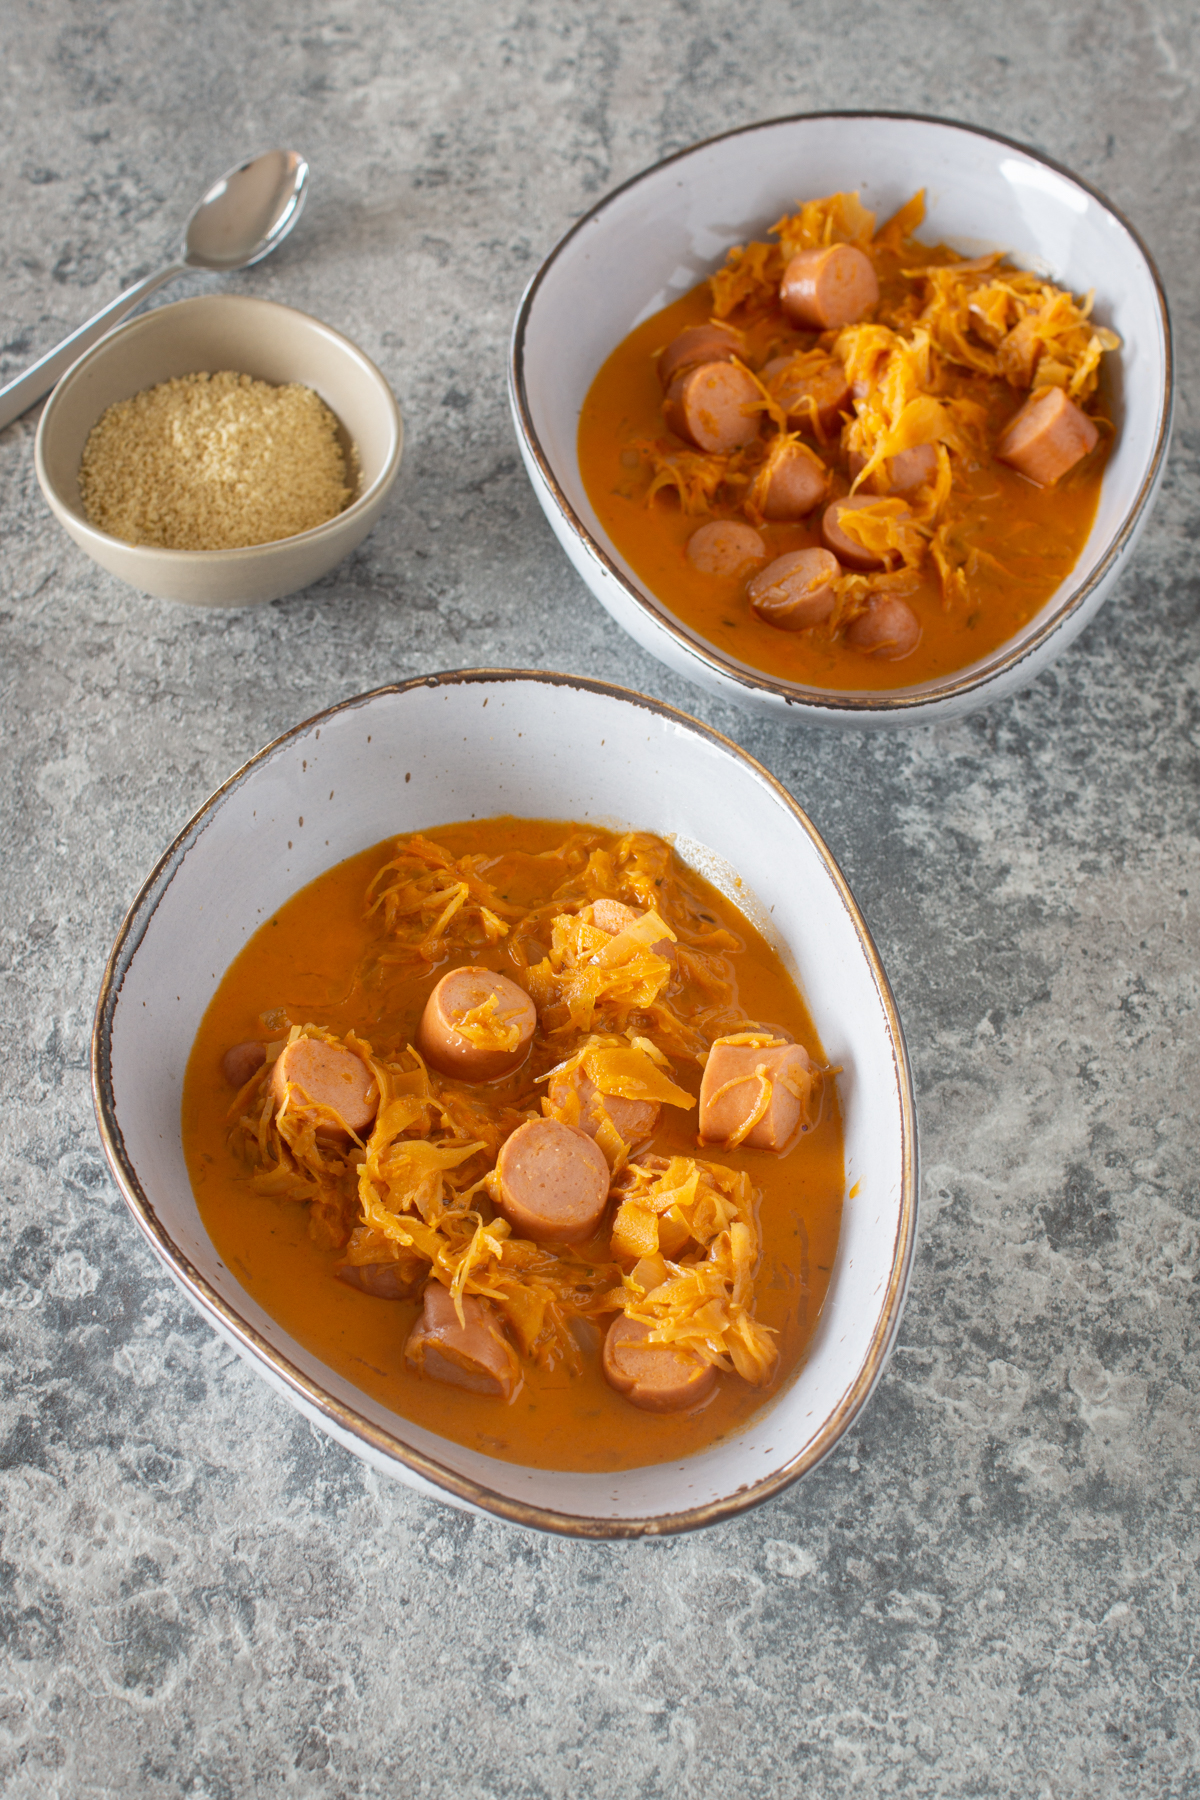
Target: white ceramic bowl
{"type": "Point", "coordinates": [656, 237]}
{"type": "Point", "coordinates": [477, 743]}
{"type": "Point", "coordinates": [252, 337]}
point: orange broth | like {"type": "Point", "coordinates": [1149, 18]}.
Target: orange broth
{"type": "Point", "coordinates": [1029, 538]}
{"type": "Point", "coordinates": [320, 959]}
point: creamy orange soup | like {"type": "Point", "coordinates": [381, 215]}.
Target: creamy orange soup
{"type": "Point", "coordinates": [328, 962]}
{"type": "Point", "coordinates": [943, 364]}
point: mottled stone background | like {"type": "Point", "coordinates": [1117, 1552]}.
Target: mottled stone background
{"type": "Point", "coordinates": [991, 1588]}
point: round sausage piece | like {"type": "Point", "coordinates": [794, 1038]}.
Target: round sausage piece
{"type": "Point", "coordinates": [715, 407]}
{"type": "Point", "coordinates": [553, 1182]}
{"type": "Point", "coordinates": [1048, 436]}
{"type": "Point", "coordinates": [451, 1051]}
{"type": "Point", "coordinates": [723, 547]}
{"type": "Point", "coordinates": [732, 1089]}
{"type": "Point", "coordinates": [633, 1120]}
{"type": "Point", "coordinates": [888, 629]}
{"type": "Point", "coordinates": [849, 552]}
{"type": "Point", "coordinates": [793, 481]}
{"type": "Point", "coordinates": [796, 590]}
{"type": "Point", "coordinates": [332, 1079]}
{"type": "Point", "coordinates": [241, 1061]}
{"type": "Point", "coordinates": [384, 1280]}
{"type": "Point", "coordinates": [813, 398]}
{"type": "Point", "coordinates": [614, 917]}
{"type": "Point", "coordinates": [833, 285]}
{"type": "Point", "coordinates": [699, 344]}
{"type": "Point", "coordinates": [905, 473]}
{"type": "Point", "coordinates": [656, 1377]}
{"type": "Point", "coordinates": [474, 1354]}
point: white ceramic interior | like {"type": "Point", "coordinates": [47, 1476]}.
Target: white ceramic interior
{"type": "Point", "coordinates": [661, 233]}
{"type": "Point", "coordinates": [474, 744]}
{"type": "Point", "coordinates": [254, 337]}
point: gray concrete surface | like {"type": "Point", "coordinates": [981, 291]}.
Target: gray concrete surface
{"type": "Point", "coordinates": [991, 1588]}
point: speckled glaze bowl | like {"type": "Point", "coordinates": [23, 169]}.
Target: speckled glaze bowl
{"type": "Point", "coordinates": [253, 337]}
{"type": "Point", "coordinates": [473, 744]}
{"type": "Point", "coordinates": [654, 238]}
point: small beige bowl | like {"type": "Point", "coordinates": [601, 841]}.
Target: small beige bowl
{"type": "Point", "coordinates": [254, 337]}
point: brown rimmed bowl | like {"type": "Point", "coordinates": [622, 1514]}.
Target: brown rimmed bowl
{"type": "Point", "coordinates": [651, 240]}
{"type": "Point", "coordinates": [472, 744]}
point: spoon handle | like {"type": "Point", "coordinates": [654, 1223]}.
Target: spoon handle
{"type": "Point", "coordinates": [21, 394]}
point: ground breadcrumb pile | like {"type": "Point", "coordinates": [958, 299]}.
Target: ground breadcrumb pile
{"type": "Point", "coordinates": [214, 462]}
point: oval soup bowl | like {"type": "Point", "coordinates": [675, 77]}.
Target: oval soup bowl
{"type": "Point", "coordinates": [474, 744]}
{"type": "Point", "coordinates": [253, 337]}
{"type": "Point", "coordinates": [663, 232]}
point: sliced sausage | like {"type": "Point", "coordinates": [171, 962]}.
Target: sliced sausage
{"type": "Point", "coordinates": [331, 1078]}
{"type": "Point", "coordinates": [849, 552]}
{"type": "Point", "coordinates": [889, 628]}
{"type": "Point", "coordinates": [614, 916]}
{"type": "Point", "coordinates": [732, 1090]}
{"type": "Point", "coordinates": [553, 1182]}
{"type": "Point", "coordinates": [791, 483]}
{"type": "Point", "coordinates": [910, 470]}
{"type": "Point", "coordinates": [633, 1120]}
{"type": "Point", "coordinates": [833, 285]}
{"type": "Point", "coordinates": [796, 590]}
{"type": "Point", "coordinates": [242, 1061]}
{"type": "Point", "coordinates": [454, 1053]}
{"type": "Point", "coordinates": [657, 1377]}
{"type": "Point", "coordinates": [475, 1355]}
{"type": "Point", "coordinates": [385, 1280]}
{"type": "Point", "coordinates": [904, 473]}
{"type": "Point", "coordinates": [699, 344]}
{"type": "Point", "coordinates": [716, 407]}
{"type": "Point", "coordinates": [813, 397]}
{"type": "Point", "coordinates": [1047, 437]}
{"type": "Point", "coordinates": [723, 547]}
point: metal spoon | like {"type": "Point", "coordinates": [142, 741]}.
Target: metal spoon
{"type": "Point", "coordinates": [239, 221]}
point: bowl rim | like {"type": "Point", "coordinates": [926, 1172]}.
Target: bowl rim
{"type": "Point", "coordinates": [346, 1418]}
{"type": "Point", "coordinates": [93, 537]}
{"type": "Point", "coordinates": [897, 703]}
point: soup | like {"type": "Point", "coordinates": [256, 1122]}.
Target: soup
{"type": "Point", "coordinates": [849, 459]}
{"type": "Point", "coordinates": [441, 1120]}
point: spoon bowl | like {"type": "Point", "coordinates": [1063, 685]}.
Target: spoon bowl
{"type": "Point", "coordinates": [247, 213]}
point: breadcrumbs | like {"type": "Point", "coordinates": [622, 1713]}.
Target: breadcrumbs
{"type": "Point", "coordinates": [214, 462]}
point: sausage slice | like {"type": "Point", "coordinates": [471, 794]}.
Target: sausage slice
{"type": "Point", "coordinates": [791, 483]}
{"type": "Point", "coordinates": [614, 916]}
{"type": "Point", "coordinates": [455, 1053]}
{"type": "Point", "coordinates": [1047, 437]}
{"type": "Point", "coordinates": [385, 1280]}
{"type": "Point", "coordinates": [889, 628]}
{"type": "Point", "coordinates": [241, 1061]}
{"type": "Point", "coordinates": [715, 407]}
{"type": "Point", "coordinates": [849, 552]}
{"type": "Point", "coordinates": [474, 1355]}
{"type": "Point", "coordinates": [723, 547]}
{"type": "Point", "coordinates": [553, 1182]}
{"type": "Point", "coordinates": [657, 1377]}
{"type": "Point", "coordinates": [699, 344]}
{"type": "Point", "coordinates": [904, 473]}
{"type": "Point", "coordinates": [833, 285]}
{"type": "Point", "coordinates": [327, 1075]}
{"type": "Point", "coordinates": [633, 1120]}
{"type": "Point", "coordinates": [796, 590]}
{"type": "Point", "coordinates": [732, 1089]}
{"type": "Point", "coordinates": [813, 398]}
